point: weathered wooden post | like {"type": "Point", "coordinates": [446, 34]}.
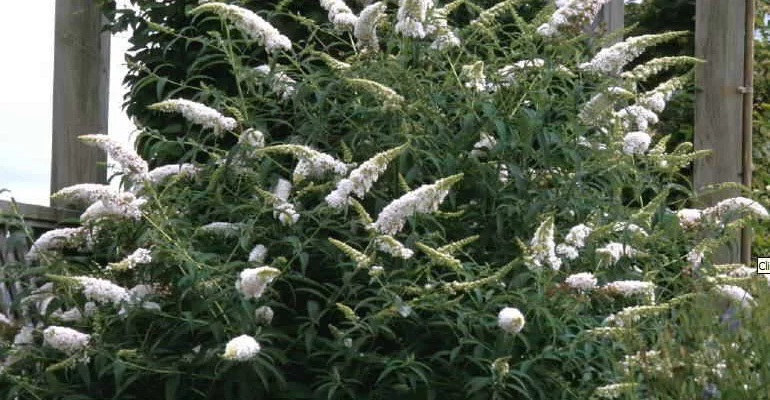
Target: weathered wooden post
{"type": "Point", "coordinates": [612, 17]}
{"type": "Point", "coordinates": [719, 117]}
{"type": "Point", "coordinates": [80, 92]}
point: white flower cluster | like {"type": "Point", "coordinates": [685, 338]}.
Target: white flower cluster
{"type": "Point", "coordinates": [128, 160]}
{"type": "Point", "coordinates": [102, 290]}
{"type": "Point", "coordinates": [629, 227]}
{"type": "Point", "coordinates": [312, 163]}
{"type": "Point", "coordinates": [5, 320]}
{"type": "Point", "coordinates": [689, 217]}
{"type": "Point", "coordinates": [55, 239]}
{"type": "Point", "coordinates": [258, 254]}
{"type": "Point", "coordinates": [365, 29]}
{"type": "Point", "coordinates": [573, 13]}
{"type": "Point", "coordinates": [282, 209]}
{"type": "Point", "coordinates": [438, 27]}
{"type": "Point", "coordinates": [71, 315]}
{"type": "Point", "coordinates": [633, 288]}
{"type": "Point", "coordinates": [242, 348]}
{"type": "Point", "coordinates": [253, 281]}
{"type": "Point", "coordinates": [636, 115]}
{"type": "Point", "coordinates": [411, 17]}
{"type": "Point", "coordinates": [486, 143]}
{"type": "Point", "coordinates": [86, 193]}
{"type": "Point", "coordinates": [614, 251]}
{"type": "Point", "coordinates": [511, 320]}
{"type": "Point", "coordinates": [390, 245]}
{"type": "Point", "coordinates": [475, 79]}
{"type": "Point", "coordinates": [197, 113]}
{"type": "Point", "coordinates": [125, 205]}
{"type": "Point", "coordinates": [424, 199]}
{"type": "Point", "coordinates": [615, 390]}
{"type": "Point", "coordinates": [574, 241]}
{"type": "Point", "coordinates": [583, 281]}
{"type": "Point", "coordinates": [138, 257]}
{"type": "Point", "coordinates": [281, 83]}
{"type": "Point", "coordinates": [543, 247]}
{"type": "Point", "coordinates": [159, 174]}
{"type": "Point", "coordinates": [735, 205]}
{"type": "Point", "coordinates": [66, 340]}
{"type": "Point", "coordinates": [362, 178]}
{"type": "Point", "coordinates": [656, 66]}
{"type": "Point", "coordinates": [508, 73]}
{"type": "Point", "coordinates": [223, 229]}
{"type": "Point", "coordinates": [249, 23]}
{"type": "Point", "coordinates": [736, 294]}
{"type": "Point", "coordinates": [612, 59]}
{"type": "Point", "coordinates": [636, 142]}
{"type": "Point", "coordinates": [339, 13]}
{"type": "Point", "coordinates": [577, 235]}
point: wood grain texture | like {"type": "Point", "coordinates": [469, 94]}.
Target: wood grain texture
{"type": "Point", "coordinates": [80, 92]}
{"type": "Point", "coordinates": [612, 17]}
{"type": "Point", "coordinates": [719, 39]}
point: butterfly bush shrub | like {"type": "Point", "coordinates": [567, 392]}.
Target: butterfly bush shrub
{"type": "Point", "coordinates": [464, 209]}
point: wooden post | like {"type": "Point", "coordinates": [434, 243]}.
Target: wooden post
{"type": "Point", "coordinates": [719, 39]}
{"type": "Point", "coordinates": [80, 92]}
{"type": "Point", "coordinates": [612, 17]}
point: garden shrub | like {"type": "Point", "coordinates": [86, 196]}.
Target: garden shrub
{"type": "Point", "coordinates": [406, 205]}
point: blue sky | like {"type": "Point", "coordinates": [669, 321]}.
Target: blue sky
{"type": "Point", "coordinates": [26, 90]}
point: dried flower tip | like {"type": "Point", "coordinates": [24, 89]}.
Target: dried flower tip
{"type": "Point", "coordinates": [511, 320]}
{"type": "Point", "coordinates": [129, 161]}
{"type": "Point", "coordinates": [242, 348]}
{"type": "Point", "coordinates": [366, 27]}
{"type": "Point", "coordinates": [389, 97]}
{"type": "Point", "coordinates": [66, 340]}
{"type": "Point", "coordinates": [250, 24]}
{"type": "Point", "coordinates": [583, 281]}
{"type": "Point", "coordinates": [197, 113]}
{"type": "Point", "coordinates": [411, 17]}
{"type": "Point", "coordinates": [424, 199]}
{"type": "Point", "coordinates": [252, 282]}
